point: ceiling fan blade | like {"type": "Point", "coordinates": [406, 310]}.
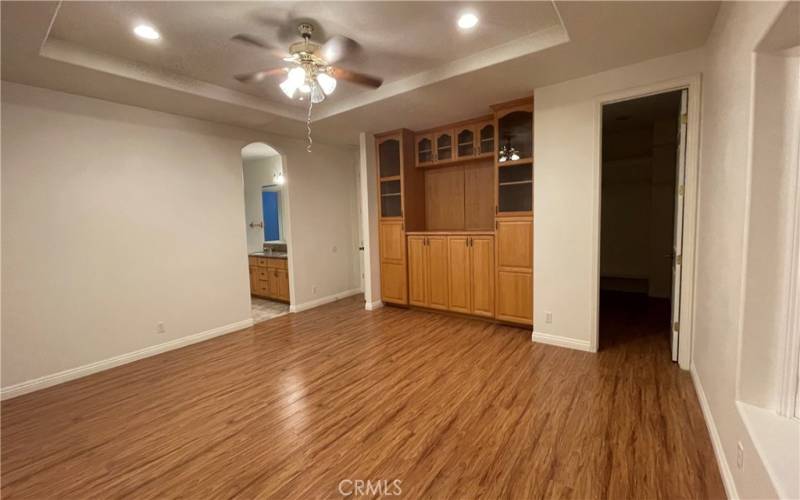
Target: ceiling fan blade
{"type": "Point", "coordinates": [258, 76]}
{"type": "Point", "coordinates": [355, 77]}
{"type": "Point", "coordinates": [255, 41]}
{"type": "Point", "coordinates": [339, 48]}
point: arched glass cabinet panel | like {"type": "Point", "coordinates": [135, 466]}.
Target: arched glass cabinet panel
{"type": "Point", "coordinates": [444, 146]}
{"type": "Point", "coordinates": [465, 142]}
{"type": "Point", "coordinates": [424, 150]}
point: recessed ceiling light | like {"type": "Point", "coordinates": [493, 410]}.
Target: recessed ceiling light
{"type": "Point", "coordinates": [467, 21]}
{"type": "Point", "coordinates": [147, 32]}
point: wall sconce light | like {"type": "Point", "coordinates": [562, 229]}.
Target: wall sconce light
{"type": "Point", "coordinates": [279, 179]}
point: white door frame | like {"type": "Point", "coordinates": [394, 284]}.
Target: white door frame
{"type": "Point", "coordinates": [692, 84]}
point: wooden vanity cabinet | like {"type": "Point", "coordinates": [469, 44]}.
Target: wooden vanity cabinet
{"type": "Point", "coordinates": [269, 278]}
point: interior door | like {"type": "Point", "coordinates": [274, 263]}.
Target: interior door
{"type": "Point", "coordinates": [677, 260]}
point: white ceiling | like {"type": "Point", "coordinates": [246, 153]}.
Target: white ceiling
{"type": "Point", "coordinates": [196, 36]}
{"type": "Point", "coordinates": [434, 73]}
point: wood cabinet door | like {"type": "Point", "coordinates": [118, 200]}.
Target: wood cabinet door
{"type": "Point", "coordinates": [424, 150]}
{"type": "Point", "coordinates": [282, 284]}
{"type": "Point", "coordinates": [482, 276]}
{"type": "Point", "coordinates": [393, 262]}
{"type": "Point", "coordinates": [459, 273]}
{"type": "Point", "coordinates": [465, 142]}
{"type": "Point", "coordinates": [444, 144]}
{"type": "Point", "coordinates": [485, 139]}
{"type": "Point", "coordinates": [515, 297]}
{"type": "Point", "coordinates": [392, 241]}
{"type": "Point", "coordinates": [514, 244]}
{"type": "Point", "coordinates": [253, 279]}
{"type": "Point", "coordinates": [273, 283]}
{"type": "Point", "coordinates": [436, 271]}
{"type": "Point", "coordinates": [417, 286]}
{"type": "Point", "coordinates": [393, 282]}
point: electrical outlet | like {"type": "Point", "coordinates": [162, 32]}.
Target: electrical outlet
{"type": "Point", "coordinates": [548, 317]}
{"type": "Point", "coordinates": [334, 249]}
{"type": "Point", "coordinates": [160, 327]}
{"type": "Point", "coordinates": [314, 289]}
{"type": "Point", "coordinates": [739, 455]}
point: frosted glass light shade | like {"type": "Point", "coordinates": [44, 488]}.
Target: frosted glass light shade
{"type": "Point", "coordinates": [327, 82]}
{"type": "Point", "coordinates": [289, 88]}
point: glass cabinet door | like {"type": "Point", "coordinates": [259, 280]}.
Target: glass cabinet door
{"type": "Point", "coordinates": [389, 158]}
{"type": "Point", "coordinates": [424, 150]}
{"type": "Point", "coordinates": [444, 146]}
{"type": "Point", "coordinates": [465, 143]}
{"type": "Point", "coordinates": [486, 139]}
{"type": "Point", "coordinates": [515, 131]}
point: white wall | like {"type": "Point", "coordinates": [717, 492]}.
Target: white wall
{"type": "Point", "coordinates": [565, 187]}
{"type": "Point", "coordinates": [722, 234]}
{"type": "Point", "coordinates": [116, 217]}
{"type": "Point", "coordinates": [259, 172]}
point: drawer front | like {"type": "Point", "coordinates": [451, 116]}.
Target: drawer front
{"type": "Point", "coordinates": [277, 263]}
{"type": "Point", "coordinates": [253, 261]}
{"type": "Point", "coordinates": [262, 262]}
{"type": "Point", "coordinates": [262, 273]}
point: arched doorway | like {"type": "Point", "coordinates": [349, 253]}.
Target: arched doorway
{"type": "Point", "coordinates": [266, 218]}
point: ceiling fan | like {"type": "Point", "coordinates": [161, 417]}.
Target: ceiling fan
{"type": "Point", "coordinates": [314, 74]}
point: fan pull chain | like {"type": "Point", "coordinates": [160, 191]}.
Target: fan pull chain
{"type": "Point", "coordinates": [308, 124]}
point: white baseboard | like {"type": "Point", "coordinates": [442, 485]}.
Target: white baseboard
{"type": "Point", "coordinates": [371, 306]}
{"type": "Point", "coordinates": [323, 300]}
{"type": "Point", "coordinates": [98, 366]}
{"type": "Point", "coordinates": [556, 340]}
{"type": "Point", "coordinates": [716, 442]}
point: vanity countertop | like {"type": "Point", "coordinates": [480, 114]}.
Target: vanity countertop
{"type": "Point", "coordinates": [271, 255]}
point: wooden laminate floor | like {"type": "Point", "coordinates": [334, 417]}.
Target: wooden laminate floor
{"type": "Point", "coordinates": [452, 407]}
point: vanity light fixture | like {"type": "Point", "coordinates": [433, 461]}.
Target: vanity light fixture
{"type": "Point", "coordinates": [146, 32]}
{"type": "Point", "coordinates": [467, 21]}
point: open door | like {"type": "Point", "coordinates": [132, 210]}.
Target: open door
{"type": "Point", "coordinates": [677, 251]}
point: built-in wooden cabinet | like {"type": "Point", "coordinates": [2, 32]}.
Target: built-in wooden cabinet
{"type": "Point", "coordinates": [424, 150]}
{"type": "Point", "coordinates": [427, 271]}
{"type": "Point", "coordinates": [457, 233]}
{"type": "Point", "coordinates": [393, 261]}
{"type": "Point", "coordinates": [269, 278]}
{"type": "Point", "coordinates": [466, 142]}
{"type": "Point", "coordinates": [514, 158]}
{"type": "Point", "coordinates": [514, 279]}
{"type": "Point", "coordinates": [443, 142]}
{"type": "Point", "coordinates": [471, 274]}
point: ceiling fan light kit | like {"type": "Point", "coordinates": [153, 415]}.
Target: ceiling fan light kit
{"type": "Point", "coordinates": [314, 76]}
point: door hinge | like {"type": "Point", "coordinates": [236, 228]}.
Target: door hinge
{"type": "Point", "coordinates": [681, 190]}
{"type": "Point", "coordinates": [679, 259]}
{"type": "Point", "coordinates": [684, 119]}
{"type": "Point", "coordinates": [676, 326]}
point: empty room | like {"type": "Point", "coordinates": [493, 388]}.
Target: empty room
{"type": "Point", "coordinates": [545, 249]}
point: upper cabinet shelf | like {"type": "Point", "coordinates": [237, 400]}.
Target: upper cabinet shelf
{"type": "Point", "coordinates": [456, 143]}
